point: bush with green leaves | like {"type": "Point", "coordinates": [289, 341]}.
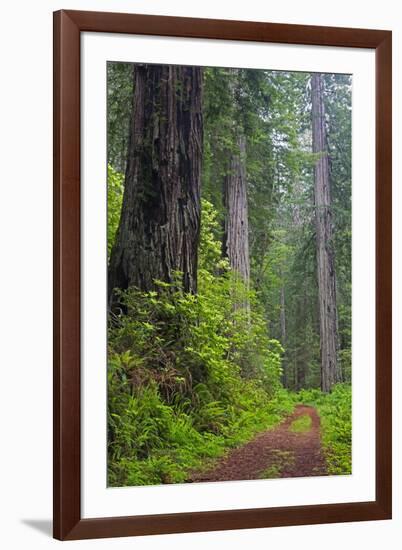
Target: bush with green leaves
{"type": "Point", "coordinates": [335, 410]}
{"type": "Point", "coordinates": [115, 186]}
{"type": "Point", "coordinates": [189, 375]}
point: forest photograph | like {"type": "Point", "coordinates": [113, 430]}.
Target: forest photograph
{"type": "Point", "coordinates": [229, 249]}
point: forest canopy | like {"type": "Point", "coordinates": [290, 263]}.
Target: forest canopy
{"type": "Point", "coordinates": [229, 276]}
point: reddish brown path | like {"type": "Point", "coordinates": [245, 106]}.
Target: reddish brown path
{"type": "Point", "coordinates": [275, 453]}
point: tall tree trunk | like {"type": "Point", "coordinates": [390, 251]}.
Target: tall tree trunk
{"type": "Point", "coordinates": [283, 316]}
{"type": "Point", "coordinates": [330, 371]}
{"type": "Point", "coordinates": [235, 242]}
{"type": "Point", "coordinates": [160, 221]}
{"type": "Point", "coordinates": [283, 332]}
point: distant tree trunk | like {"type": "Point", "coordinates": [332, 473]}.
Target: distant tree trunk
{"type": "Point", "coordinates": [295, 373]}
{"type": "Point", "coordinates": [235, 242]}
{"type": "Point", "coordinates": [283, 316]}
{"type": "Point", "coordinates": [160, 221]}
{"type": "Point", "coordinates": [330, 371]}
{"type": "Point", "coordinates": [283, 333]}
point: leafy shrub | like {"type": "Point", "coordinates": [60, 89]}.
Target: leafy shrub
{"type": "Point", "coordinates": [335, 410]}
{"type": "Point", "coordinates": [115, 181]}
{"type": "Point", "coordinates": [189, 375]}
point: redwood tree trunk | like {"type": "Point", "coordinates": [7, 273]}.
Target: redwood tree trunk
{"type": "Point", "coordinates": [330, 371]}
{"type": "Point", "coordinates": [283, 316]}
{"type": "Point", "coordinates": [160, 221]}
{"type": "Point", "coordinates": [283, 332]}
{"type": "Point", "coordinates": [235, 242]}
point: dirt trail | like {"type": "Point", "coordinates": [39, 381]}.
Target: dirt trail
{"type": "Point", "coordinates": [280, 452]}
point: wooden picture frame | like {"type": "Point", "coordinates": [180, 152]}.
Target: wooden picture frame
{"type": "Point", "coordinates": [68, 523]}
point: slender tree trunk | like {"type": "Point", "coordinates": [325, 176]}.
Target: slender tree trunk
{"type": "Point", "coordinates": [160, 221]}
{"type": "Point", "coordinates": [283, 333]}
{"type": "Point", "coordinates": [235, 242]}
{"type": "Point", "coordinates": [295, 373]}
{"type": "Point", "coordinates": [330, 372]}
{"type": "Point", "coordinates": [283, 316]}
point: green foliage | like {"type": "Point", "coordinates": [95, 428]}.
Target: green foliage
{"type": "Point", "coordinates": [210, 248]}
{"type": "Point", "coordinates": [115, 186]}
{"type": "Point", "coordinates": [301, 424]}
{"type": "Point", "coordinates": [189, 375]}
{"type": "Point", "coordinates": [119, 104]}
{"type": "Point", "coordinates": [335, 410]}
{"type": "Point", "coordinates": [345, 358]}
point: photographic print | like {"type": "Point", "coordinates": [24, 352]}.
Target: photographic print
{"type": "Point", "coordinates": [229, 274]}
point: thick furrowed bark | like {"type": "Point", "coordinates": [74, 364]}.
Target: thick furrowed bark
{"type": "Point", "coordinates": [330, 371]}
{"type": "Point", "coordinates": [160, 221]}
{"type": "Point", "coordinates": [236, 246]}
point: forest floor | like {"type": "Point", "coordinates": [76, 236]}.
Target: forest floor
{"type": "Point", "coordinates": [292, 449]}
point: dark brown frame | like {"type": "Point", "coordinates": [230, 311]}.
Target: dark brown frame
{"type": "Point", "coordinates": [67, 475]}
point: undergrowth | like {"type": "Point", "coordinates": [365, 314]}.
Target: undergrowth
{"type": "Point", "coordinates": [189, 376]}
{"type": "Point", "coordinates": [335, 410]}
{"type": "Point", "coordinates": [301, 424]}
